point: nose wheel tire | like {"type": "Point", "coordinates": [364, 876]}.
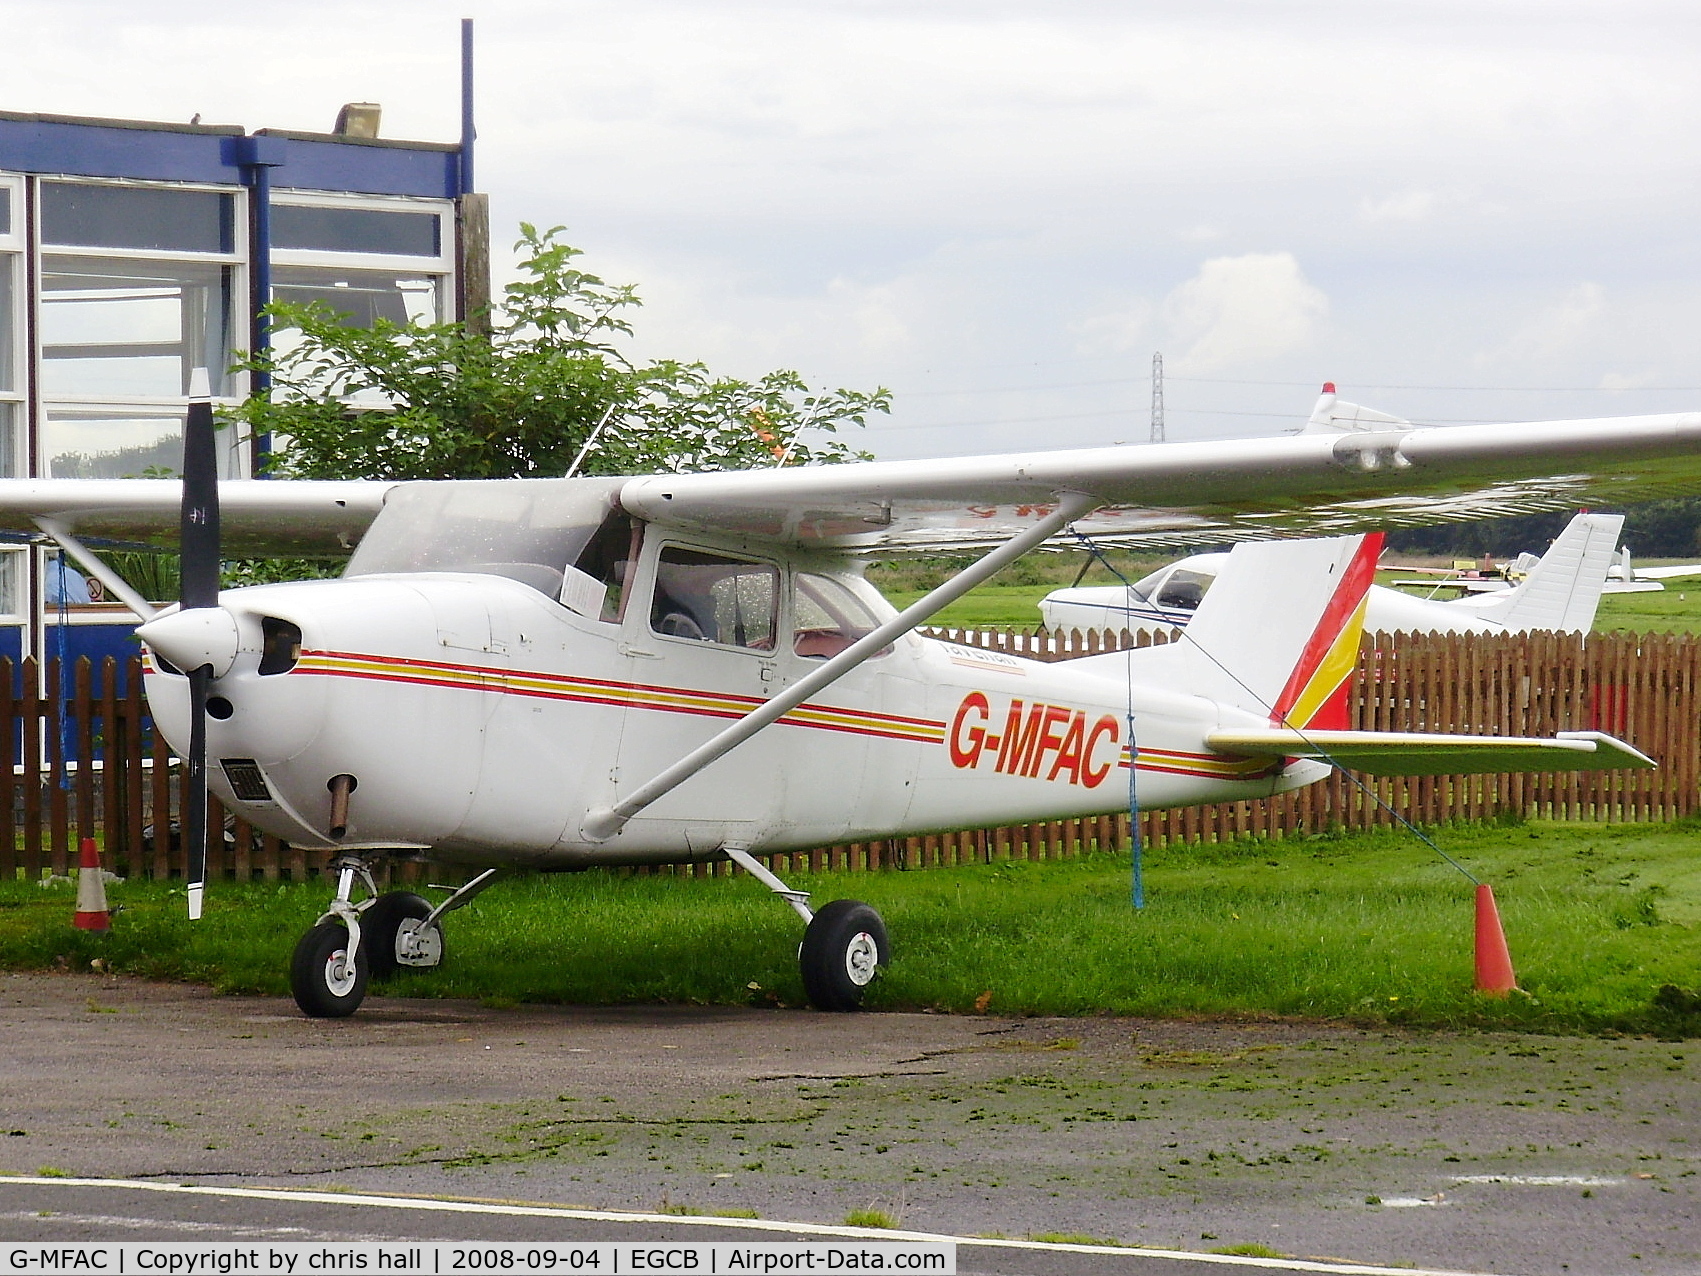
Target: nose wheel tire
{"type": "Point", "coordinates": [843, 950]}
{"type": "Point", "coordinates": [325, 983]}
{"type": "Point", "coordinates": [391, 935]}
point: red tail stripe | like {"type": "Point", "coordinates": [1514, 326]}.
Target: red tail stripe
{"type": "Point", "coordinates": [1349, 592]}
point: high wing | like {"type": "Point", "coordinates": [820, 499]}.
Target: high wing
{"type": "Point", "coordinates": [1160, 496]}
{"type": "Point", "coordinates": [1194, 493]}
{"type": "Point", "coordinates": [260, 516]}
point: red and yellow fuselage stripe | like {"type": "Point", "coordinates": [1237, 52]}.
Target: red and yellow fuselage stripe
{"type": "Point", "coordinates": [630, 695]}
{"type": "Point", "coordinates": [1200, 766]}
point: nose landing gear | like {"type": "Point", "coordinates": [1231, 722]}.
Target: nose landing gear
{"type": "Point", "coordinates": [354, 943]}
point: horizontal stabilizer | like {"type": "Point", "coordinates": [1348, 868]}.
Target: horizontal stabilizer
{"type": "Point", "coordinates": [1413, 753]}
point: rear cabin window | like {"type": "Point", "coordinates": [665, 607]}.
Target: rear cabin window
{"type": "Point", "coordinates": [826, 616]}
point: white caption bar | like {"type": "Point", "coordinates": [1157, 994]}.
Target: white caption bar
{"type": "Point", "coordinates": [454, 1258]}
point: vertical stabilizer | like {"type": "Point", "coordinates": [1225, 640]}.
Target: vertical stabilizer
{"type": "Point", "coordinates": [1333, 415]}
{"type": "Point", "coordinates": [1563, 590]}
{"type": "Point", "coordinates": [1277, 635]}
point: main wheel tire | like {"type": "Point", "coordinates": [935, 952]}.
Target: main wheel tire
{"type": "Point", "coordinates": [382, 926]}
{"type": "Point", "coordinates": [843, 949]}
{"type": "Point", "coordinates": [325, 984]}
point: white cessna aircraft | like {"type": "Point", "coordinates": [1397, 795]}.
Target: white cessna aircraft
{"type": "Point", "coordinates": [1560, 591]}
{"type": "Point", "coordinates": [556, 674]}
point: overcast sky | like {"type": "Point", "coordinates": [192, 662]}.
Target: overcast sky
{"type": "Point", "coordinates": [1458, 211]}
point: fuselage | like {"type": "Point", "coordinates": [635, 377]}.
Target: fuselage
{"type": "Point", "coordinates": [481, 718]}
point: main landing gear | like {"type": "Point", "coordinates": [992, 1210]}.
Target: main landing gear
{"type": "Point", "coordinates": [354, 943]}
{"type": "Point", "coordinates": [844, 947]}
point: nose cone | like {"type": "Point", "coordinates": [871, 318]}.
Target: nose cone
{"type": "Point", "coordinates": [190, 639]}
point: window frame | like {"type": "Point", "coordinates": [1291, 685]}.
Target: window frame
{"type": "Point", "coordinates": [13, 248]}
{"type": "Point", "coordinates": [443, 264]}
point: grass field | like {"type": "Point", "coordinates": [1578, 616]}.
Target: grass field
{"type": "Point", "coordinates": [1372, 928]}
{"type": "Point", "coordinates": [1013, 597]}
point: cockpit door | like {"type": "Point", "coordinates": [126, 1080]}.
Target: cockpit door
{"type": "Point", "coordinates": [701, 633]}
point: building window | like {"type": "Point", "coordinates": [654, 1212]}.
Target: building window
{"type": "Point", "coordinates": [365, 258]}
{"type": "Point", "coordinates": [116, 442]}
{"type": "Point", "coordinates": [14, 571]}
{"type": "Point", "coordinates": [154, 218]}
{"type": "Point", "coordinates": [363, 296]}
{"type": "Point", "coordinates": [117, 328]}
{"type": "Point", "coordinates": [345, 228]}
{"type": "Point", "coordinates": [139, 285]}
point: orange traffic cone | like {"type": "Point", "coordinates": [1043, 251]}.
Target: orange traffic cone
{"type": "Point", "coordinates": [92, 913]}
{"type": "Point", "coordinates": [1494, 962]}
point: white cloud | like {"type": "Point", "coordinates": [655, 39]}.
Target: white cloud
{"type": "Point", "coordinates": [1122, 328]}
{"type": "Point", "coordinates": [1239, 310]}
{"type": "Point", "coordinates": [1408, 206]}
{"type": "Point", "coordinates": [1563, 328]}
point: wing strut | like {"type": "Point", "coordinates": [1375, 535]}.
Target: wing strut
{"type": "Point", "coordinates": [93, 566]}
{"type": "Point", "coordinates": [599, 826]}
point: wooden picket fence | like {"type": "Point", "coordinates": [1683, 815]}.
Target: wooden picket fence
{"type": "Point", "coordinates": [90, 765]}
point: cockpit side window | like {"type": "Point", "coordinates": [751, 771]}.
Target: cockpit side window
{"type": "Point", "coordinates": [708, 597]}
{"type": "Point", "coordinates": [1184, 589]}
{"type": "Point", "coordinates": [826, 616]}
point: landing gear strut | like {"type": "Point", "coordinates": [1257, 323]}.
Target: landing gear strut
{"type": "Point", "coordinates": [844, 946]}
{"type": "Point", "coordinates": [329, 970]}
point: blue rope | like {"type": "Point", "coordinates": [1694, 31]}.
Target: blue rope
{"type": "Point", "coordinates": [60, 638]}
{"type": "Point", "coordinates": [1136, 843]}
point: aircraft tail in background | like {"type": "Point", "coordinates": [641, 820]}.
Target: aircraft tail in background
{"type": "Point", "coordinates": [1564, 588]}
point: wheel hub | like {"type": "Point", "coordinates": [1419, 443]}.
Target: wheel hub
{"type": "Point", "coordinates": [418, 944]}
{"type": "Point", "coordinates": [339, 973]}
{"type": "Point", "coordinates": [862, 955]}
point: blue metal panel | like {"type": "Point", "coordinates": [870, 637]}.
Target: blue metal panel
{"type": "Point", "coordinates": [369, 169]}
{"type": "Point", "coordinates": [94, 150]}
{"type": "Point", "coordinates": [37, 144]}
{"type": "Point", "coordinates": [96, 642]}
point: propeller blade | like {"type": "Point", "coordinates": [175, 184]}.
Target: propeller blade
{"type": "Point", "coordinates": [193, 799]}
{"type": "Point", "coordinates": [198, 550]}
{"type": "Point", "coordinates": [198, 530]}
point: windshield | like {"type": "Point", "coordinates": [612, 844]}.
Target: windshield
{"type": "Point", "coordinates": [525, 529]}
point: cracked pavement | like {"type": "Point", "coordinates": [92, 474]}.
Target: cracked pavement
{"type": "Point", "coordinates": [1485, 1152]}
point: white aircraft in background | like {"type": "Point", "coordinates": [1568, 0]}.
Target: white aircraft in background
{"type": "Point", "coordinates": [1622, 578]}
{"type": "Point", "coordinates": [1559, 591]}
{"type": "Point", "coordinates": [569, 673]}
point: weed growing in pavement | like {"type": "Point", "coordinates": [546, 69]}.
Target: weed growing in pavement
{"type": "Point", "coordinates": [870, 1218]}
